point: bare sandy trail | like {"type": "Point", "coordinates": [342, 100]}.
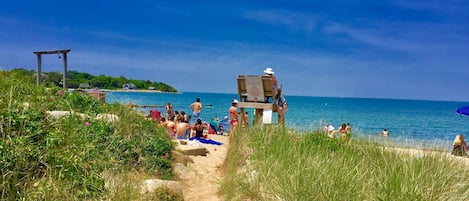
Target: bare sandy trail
{"type": "Point", "coordinates": [202, 181]}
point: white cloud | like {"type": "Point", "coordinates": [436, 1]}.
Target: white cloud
{"type": "Point", "coordinates": [294, 21]}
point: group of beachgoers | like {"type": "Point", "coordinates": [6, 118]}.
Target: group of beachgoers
{"type": "Point", "coordinates": [179, 125]}
{"type": "Point", "coordinates": [345, 131]}
{"type": "Point", "coordinates": [459, 147]}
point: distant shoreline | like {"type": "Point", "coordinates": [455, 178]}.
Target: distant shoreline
{"type": "Point", "coordinates": [131, 90]}
{"type": "Point", "coordinates": [137, 90]}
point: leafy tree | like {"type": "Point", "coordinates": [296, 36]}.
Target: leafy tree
{"type": "Point", "coordinates": [75, 78]}
{"type": "Point", "coordinates": [54, 78]}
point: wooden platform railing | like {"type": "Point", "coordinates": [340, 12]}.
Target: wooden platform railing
{"type": "Point", "coordinates": [266, 83]}
{"type": "Point", "coordinates": [269, 102]}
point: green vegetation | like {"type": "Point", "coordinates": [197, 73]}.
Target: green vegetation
{"type": "Point", "coordinates": [271, 163]}
{"type": "Point", "coordinates": [75, 157]}
{"type": "Point", "coordinates": [75, 79]}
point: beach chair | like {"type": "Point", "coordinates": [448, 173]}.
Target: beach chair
{"type": "Point", "coordinates": [155, 114]}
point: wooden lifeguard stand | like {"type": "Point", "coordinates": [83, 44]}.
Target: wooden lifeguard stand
{"type": "Point", "coordinates": [256, 92]}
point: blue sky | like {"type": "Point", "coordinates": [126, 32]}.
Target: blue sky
{"type": "Point", "coordinates": [380, 49]}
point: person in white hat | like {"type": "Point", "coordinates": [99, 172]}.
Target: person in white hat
{"type": "Point", "coordinates": [270, 73]}
{"type": "Point", "coordinates": [233, 111]}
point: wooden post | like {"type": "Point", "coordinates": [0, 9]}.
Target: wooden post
{"type": "Point", "coordinates": [242, 122]}
{"type": "Point", "coordinates": [64, 58]}
{"type": "Point", "coordinates": [39, 63]}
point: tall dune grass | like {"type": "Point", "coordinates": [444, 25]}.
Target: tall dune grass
{"type": "Point", "coordinates": [280, 165]}
{"type": "Point", "coordinates": [43, 158]}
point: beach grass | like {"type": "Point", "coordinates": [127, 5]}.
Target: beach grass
{"type": "Point", "coordinates": [271, 163]}
{"type": "Point", "coordinates": [77, 156]}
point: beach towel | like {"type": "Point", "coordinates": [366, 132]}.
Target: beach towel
{"type": "Point", "coordinates": [206, 141]}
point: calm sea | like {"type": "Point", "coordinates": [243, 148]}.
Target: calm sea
{"type": "Point", "coordinates": [411, 123]}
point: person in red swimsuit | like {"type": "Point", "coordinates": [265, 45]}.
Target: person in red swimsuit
{"type": "Point", "coordinates": [233, 116]}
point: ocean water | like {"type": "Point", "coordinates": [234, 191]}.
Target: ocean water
{"type": "Point", "coordinates": [411, 123]}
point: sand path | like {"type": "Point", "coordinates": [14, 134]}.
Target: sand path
{"type": "Point", "coordinates": [203, 179]}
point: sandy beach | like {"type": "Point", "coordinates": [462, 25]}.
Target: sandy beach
{"type": "Point", "coordinates": [202, 177]}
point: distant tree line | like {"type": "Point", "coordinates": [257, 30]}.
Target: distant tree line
{"type": "Point", "coordinates": [77, 80]}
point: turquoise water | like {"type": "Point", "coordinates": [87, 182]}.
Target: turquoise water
{"type": "Point", "coordinates": [413, 123]}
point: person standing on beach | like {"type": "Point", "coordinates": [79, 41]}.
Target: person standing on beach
{"type": "Point", "coordinates": [233, 116]}
{"type": "Point", "coordinates": [329, 130]}
{"type": "Point", "coordinates": [385, 133]}
{"type": "Point", "coordinates": [169, 111]}
{"type": "Point", "coordinates": [343, 132]}
{"type": "Point", "coordinates": [196, 108]}
{"type": "Point", "coordinates": [348, 128]}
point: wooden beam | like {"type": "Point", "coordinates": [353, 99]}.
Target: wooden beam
{"type": "Point", "coordinates": [255, 105]}
{"type": "Point", "coordinates": [53, 52]}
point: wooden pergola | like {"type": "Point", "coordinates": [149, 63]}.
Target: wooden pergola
{"type": "Point", "coordinates": [64, 59]}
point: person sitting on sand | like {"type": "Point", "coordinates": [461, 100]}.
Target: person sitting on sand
{"type": "Point", "coordinates": [176, 116]}
{"type": "Point", "coordinates": [163, 122]}
{"type": "Point", "coordinates": [199, 129]}
{"type": "Point", "coordinates": [459, 146]}
{"type": "Point", "coordinates": [182, 129]}
{"type": "Point", "coordinates": [185, 116]}
{"type": "Point", "coordinates": [171, 129]}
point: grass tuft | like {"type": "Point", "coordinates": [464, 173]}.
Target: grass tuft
{"type": "Point", "coordinates": [281, 165]}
